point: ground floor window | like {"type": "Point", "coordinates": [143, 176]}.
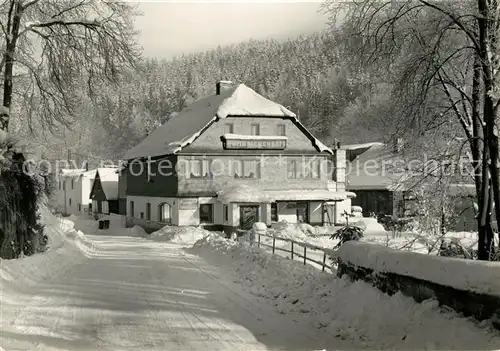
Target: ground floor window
{"type": "Point", "coordinates": [165, 213]}
{"type": "Point", "coordinates": [274, 212]}
{"type": "Point", "coordinates": [226, 213]}
{"type": "Point", "coordinates": [302, 209]}
{"type": "Point", "coordinates": [206, 213]}
{"type": "Point", "coordinates": [105, 207]}
{"type": "Point", "coordinates": [131, 214]}
{"type": "Point", "coordinates": [148, 211]}
{"type": "Point", "coordinates": [79, 208]}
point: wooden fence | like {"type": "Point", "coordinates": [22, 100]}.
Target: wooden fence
{"type": "Point", "coordinates": [297, 249]}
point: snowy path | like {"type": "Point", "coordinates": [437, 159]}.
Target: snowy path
{"type": "Point", "coordinates": [134, 294]}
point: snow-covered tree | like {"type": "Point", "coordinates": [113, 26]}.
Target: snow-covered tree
{"type": "Point", "coordinates": [51, 47]}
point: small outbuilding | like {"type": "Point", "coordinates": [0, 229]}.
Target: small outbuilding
{"type": "Point", "coordinates": [104, 193]}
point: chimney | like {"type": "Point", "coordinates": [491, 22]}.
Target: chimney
{"type": "Point", "coordinates": [222, 85]}
{"type": "Point", "coordinates": [86, 165]}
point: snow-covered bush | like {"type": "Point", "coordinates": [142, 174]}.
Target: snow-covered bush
{"type": "Point", "coordinates": [20, 230]}
{"type": "Point", "coordinates": [347, 233]}
{"type": "Point", "coordinates": [454, 248]}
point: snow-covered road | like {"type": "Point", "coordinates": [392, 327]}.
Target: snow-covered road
{"type": "Point", "coordinates": [134, 294]}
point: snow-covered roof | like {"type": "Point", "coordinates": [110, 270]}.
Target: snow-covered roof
{"type": "Point", "coordinates": [308, 194]}
{"type": "Point", "coordinates": [462, 189]}
{"type": "Point", "coordinates": [109, 182]}
{"type": "Point", "coordinates": [183, 128]}
{"type": "Point", "coordinates": [246, 102]}
{"type": "Point", "coordinates": [73, 172]}
{"type": "Point", "coordinates": [360, 146]}
{"type": "Point", "coordinates": [253, 194]}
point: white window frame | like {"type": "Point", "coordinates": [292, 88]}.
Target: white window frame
{"type": "Point", "coordinates": [161, 213]}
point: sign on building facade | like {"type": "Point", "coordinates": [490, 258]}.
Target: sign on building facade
{"type": "Point", "coordinates": [270, 144]}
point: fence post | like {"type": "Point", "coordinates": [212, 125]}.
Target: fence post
{"type": "Point", "coordinates": [324, 261]}
{"type": "Point", "coordinates": [292, 250]}
{"type": "Point", "coordinates": [305, 259]}
{"type": "Point", "coordinates": [274, 242]}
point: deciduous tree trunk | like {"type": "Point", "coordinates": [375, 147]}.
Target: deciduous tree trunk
{"type": "Point", "coordinates": [13, 26]}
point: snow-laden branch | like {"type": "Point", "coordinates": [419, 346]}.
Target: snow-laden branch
{"type": "Point", "coordinates": [472, 36]}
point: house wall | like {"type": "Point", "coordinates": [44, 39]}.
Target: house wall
{"type": "Point", "coordinates": [184, 211]}
{"type": "Point", "coordinates": [210, 140]}
{"type": "Point", "coordinates": [339, 175]}
{"type": "Point", "coordinates": [80, 194]}
{"type": "Point", "coordinates": [140, 206]}
{"type": "Point", "coordinates": [273, 175]}
{"type": "Point", "coordinates": [160, 181]}
{"type": "Point", "coordinates": [340, 208]}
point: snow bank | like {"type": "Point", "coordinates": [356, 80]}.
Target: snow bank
{"type": "Point", "coordinates": [355, 311]}
{"type": "Point", "coordinates": [179, 235]}
{"type": "Point", "coordinates": [369, 225]}
{"type": "Point", "coordinates": [470, 275]}
{"type": "Point", "coordinates": [66, 248]}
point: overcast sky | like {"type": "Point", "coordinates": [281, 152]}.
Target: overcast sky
{"type": "Point", "coordinates": [172, 28]}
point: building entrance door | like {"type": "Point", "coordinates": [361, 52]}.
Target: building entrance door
{"type": "Point", "coordinates": [248, 216]}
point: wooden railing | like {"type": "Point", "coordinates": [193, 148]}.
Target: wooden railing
{"type": "Point", "coordinates": [297, 249]}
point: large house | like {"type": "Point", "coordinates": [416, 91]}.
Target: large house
{"type": "Point", "coordinates": [73, 191]}
{"type": "Point", "coordinates": [229, 160]}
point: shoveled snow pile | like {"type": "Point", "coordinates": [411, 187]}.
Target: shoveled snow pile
{"type": "Point", "coordinates": [355, 311]}
{"type": "Point", "coordinates": [369, 225]}
{"type": "Point", "coordinates": [136, 231]}
{"type": "Point", "coordinates": [303, 232]}
{"type": "Point", "coordinates": [179, 235]}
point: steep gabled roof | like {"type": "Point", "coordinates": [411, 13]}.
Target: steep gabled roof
{"type": "Point", "coordinates": [183, 128]}
{"type": "Point", "coordinates": [108, 178]}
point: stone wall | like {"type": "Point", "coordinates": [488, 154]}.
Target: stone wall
{"type": "Point", "coordinates": [389, 271]}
